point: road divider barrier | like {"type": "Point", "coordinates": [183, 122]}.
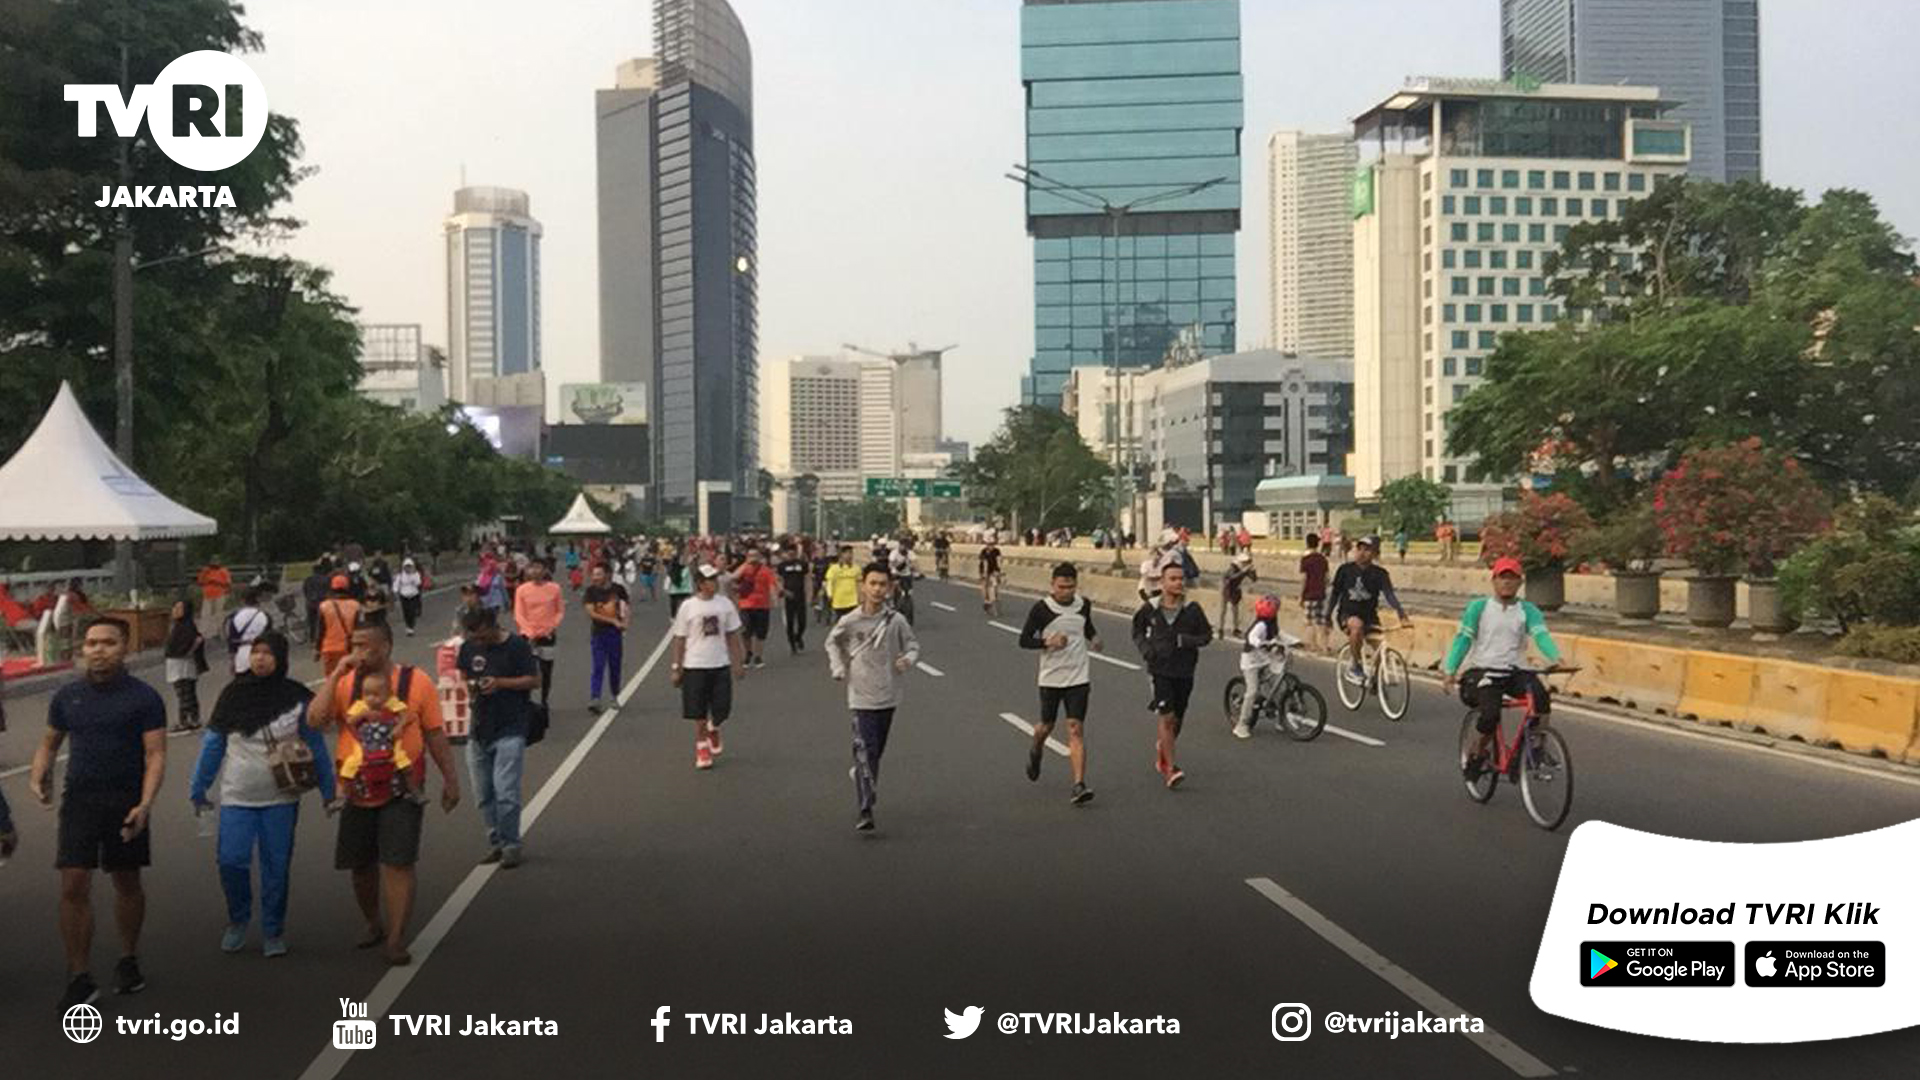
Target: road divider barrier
{"type": "Point", "coordinates": [1860, 712]}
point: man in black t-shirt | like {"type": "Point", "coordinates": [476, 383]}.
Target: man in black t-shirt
{"type": "Point", "coordinates": [990, 578]}
{"type": "Point", "coordinates": [501, 673]}
{"type": "Point", "coordinates": [795, 585]}
{"type": "Point", "coordinates": [1355, 594]}
{"type": "Point", "coordinates": [118, 757]}
{"type": "Point", "coordinates": [608, 610]}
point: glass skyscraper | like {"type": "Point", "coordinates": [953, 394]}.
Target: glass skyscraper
{"type": "Point", "coordinates": [493, 287]}
{"type": "Point", "coordinates": [1702, 54]}
{"type": "Point", "coordinates": [1127, 99]}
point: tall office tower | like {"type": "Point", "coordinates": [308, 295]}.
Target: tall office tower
{"type": "Point", "coordinates": [1468, 187]}
{"type": "Point", "coordinates": [1704, 55]}
{"type": "Point", "coordinates": [493, 288]}
{"type": "Point", "coordinates": [679, 257]}
{"type": "Point", "coordinates": [1309, 191]}
{"type": "Point", "coordinates": [1129, 102]}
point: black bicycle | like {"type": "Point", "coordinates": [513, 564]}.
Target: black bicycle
{"type": "Point", "coordinates": [1295, 708]}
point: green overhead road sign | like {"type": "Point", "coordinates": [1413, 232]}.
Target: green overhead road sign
{"type": "Point", "coordinates": [890, 487]}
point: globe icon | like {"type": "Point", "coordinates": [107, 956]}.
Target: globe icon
{"type": "Point", "coordinates": [82, 1023]}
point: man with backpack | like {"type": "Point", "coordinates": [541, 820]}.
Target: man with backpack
{"type": "Point", "coordinates": [245, 626]}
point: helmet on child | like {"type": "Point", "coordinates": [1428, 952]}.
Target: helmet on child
{"type": "Point", "coordinates": [1266, 607]}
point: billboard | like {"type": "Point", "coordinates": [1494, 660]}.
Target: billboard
{"type": "Point", "coordinates": [600, 453]}
{"type": "Point", "coordinates": [603, 403]}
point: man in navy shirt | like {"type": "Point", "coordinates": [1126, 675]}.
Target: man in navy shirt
{"type": "Point", "coordinates": [501, 674]}
{"type": "Point", "coordinates": [118, 728]}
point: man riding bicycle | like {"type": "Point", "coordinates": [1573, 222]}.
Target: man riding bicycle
{"type": "Point", "coordinates": [1357, 589]}
{"type": "Point", "coordinates": [1492, 645]}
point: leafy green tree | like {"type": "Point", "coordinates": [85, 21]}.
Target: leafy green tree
{"type": "Point", "coordinates": [1037, 470]}
{"type": "Point", "coordinates": [1413, 503]}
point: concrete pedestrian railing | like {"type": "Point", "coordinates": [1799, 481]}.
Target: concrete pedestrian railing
{"type": "Point", "coordinates": [1860, 712]}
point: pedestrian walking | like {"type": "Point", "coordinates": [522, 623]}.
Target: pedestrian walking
{"type": "Point", "coordinates": [245, 626]}
{"type": "Point", "coordinates": [679, 574]}
{"type": "Point", "coordinates": [755, 584]}
{"type": "Point", "coordinates": [115, 766]}
{"type": "Point", "coordinates": [186, 661]}
{"type": "Point", "coordinates": [410, 588]}
{"type": "Point", "coordinates": [708, 652]}
{"type": "Point", "coordinates": [796, 592]}
{"type": "Point", "coordinates": [607, 612]}
{"type": "Point", "coordinates": [1314, 570]}
{"type": "Point", "coordinates": [339, 613]}
{"type": "Point", "coordinates": [539, 607]}
{"type": "Point", "coordinates": [1169, 632]}
{"type": "Point", "coordinates": [1060, 625]}
{"type": "Point", "coordinates": [1400, 543]}
{"type": "Point", "coordinates": [501, 673]}
{"type": "Point", "coordinates": [869, 649]}
{"type": "Point", "coordinates": [215, 582]}
{"type": "Point", "coordinates": [389, 720]}
{"type": "Point", "coordinates": [843, 584]}
{"type": "Point", "coordinates": [1233, 585]}
{"type": "Point", "coordinates": [265, 756]}
{"type": "Point", "coordinates": [313, 592]}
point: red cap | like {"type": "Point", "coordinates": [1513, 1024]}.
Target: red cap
{"type": "Point", "coordinates": [1508, 565]}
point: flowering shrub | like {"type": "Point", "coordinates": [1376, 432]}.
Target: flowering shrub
{"type": "Point", "coordinates": [1627, 542]}
{"type": "Point", "coordinates": [1738, 508]}
{"type": "Point", "coordinates": [1543, 534]}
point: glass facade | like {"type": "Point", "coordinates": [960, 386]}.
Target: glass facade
{"type": "Point", "coordinates": [1127, 100]}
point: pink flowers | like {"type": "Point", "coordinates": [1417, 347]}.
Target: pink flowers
{"type": "Point", "coordinates": [1541, 534]}
{"type": "Point", "coordinates": [1738, 508]}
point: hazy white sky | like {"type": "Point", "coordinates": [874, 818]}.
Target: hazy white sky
{"type": "Point", "coordinates": [882, 129]}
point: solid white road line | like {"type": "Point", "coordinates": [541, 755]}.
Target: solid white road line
{"type": "Point", "coordinates": [1364, 740]}
{"type": "Point", "coordinates": [929, 669]}
{"type": "Point", "coordinates": [1104, 658]}
{"type": "Point", "coordinates": [1003, 626]}
{"type": "Point", "coordinates": [1052, 744]}
{"type": "Point", "coordinates": [1498, 1046]}
{"type": "Point", "coordinates": [944, 607]}
{"type": "Point", "coordinates": [328, 1063]}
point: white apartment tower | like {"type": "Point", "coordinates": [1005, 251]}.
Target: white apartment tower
{"type": "Point", "coordinates": [493, 288]}
{"type": "Point", "coordinates": [832, 417]}
{"type": "Point", "coordinates": [1310, 242]}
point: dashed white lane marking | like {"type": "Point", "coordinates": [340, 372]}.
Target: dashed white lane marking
{"type": "Point", "coordinates": [1003, 626]}
{"type": "Point", "coordinates": [944, 607]}
{"type": "Point", "coordinates": [1364, 740]}
{"type": "Point", "coordinates": [930, 669]}
{"type": "Point", "coordinates": [1104, 658]}
{"type": "Point", "coordinates": [1052, 744]}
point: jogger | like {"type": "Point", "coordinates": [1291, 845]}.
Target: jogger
{"type": "Point", "coordinates": [869, 649]}
{"type": "Point", "coordinates": [870, 730]}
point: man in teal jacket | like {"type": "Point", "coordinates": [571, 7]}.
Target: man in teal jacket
{"type": "Point", "coordinates": [1492, 645]}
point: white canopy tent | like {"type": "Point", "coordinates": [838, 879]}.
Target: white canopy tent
{"type": "Point", "coordinates": [65, 484]}
{"type": "Point", "coordinates": [580, 521]}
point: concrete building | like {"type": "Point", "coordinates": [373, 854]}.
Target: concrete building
{"type": "Point", "coordinates": [1704, 55]}
{"type": "Point", "coordinates": [679, 261]}
{"type": "Point", "coordinates": [1468, 186]}
{"type": "Point", "coordinates": [832, 417]}
{"type": "Point", "coordinates": [493, 287]}
{"type": "Point", "coordinates": [1310, 242]}
{"type": "Point", "coordinates": [1129, 100]}
{"type": "Point", "coordinates": [397, 368]}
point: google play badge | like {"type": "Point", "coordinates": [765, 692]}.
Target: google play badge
{"type": "Point", "coordinates": [1599, 963]}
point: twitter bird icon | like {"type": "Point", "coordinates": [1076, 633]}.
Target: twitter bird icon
{"type": "Point", "coordinates": [962, 1024]}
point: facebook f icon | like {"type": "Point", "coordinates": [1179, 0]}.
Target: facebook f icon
{"type": "Point", "coordinates": [661, 1022]}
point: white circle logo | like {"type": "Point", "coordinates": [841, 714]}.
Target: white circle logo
{"type": "Point", "coordinates": [82, 1023]}
{"type": "Point", "coordinates": [199, 101]}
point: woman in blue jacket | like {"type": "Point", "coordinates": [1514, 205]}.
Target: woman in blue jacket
{"type": "Point", "coordinates": [259, 709]}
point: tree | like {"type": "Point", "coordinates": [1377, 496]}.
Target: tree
{"type": "Point", "coordinates": [1037, 470]}
{"type": "Point", "coordinates": [1413, 503]}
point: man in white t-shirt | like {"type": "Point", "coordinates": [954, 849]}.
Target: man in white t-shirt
{"type": "Point", "coordinates": [1061, 627]}
{"type": "Point", "coordinates": [707, 656]}
{"type": "Point", "coordinates": [245, 626]}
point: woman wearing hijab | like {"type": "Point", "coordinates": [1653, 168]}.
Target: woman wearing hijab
{"type": "Point", "coordinates": [261, 708]}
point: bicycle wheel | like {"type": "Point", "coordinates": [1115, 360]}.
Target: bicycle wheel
{"type": "Point", "coordinates": [1480, 788]}
{"type": "Point", "coordinates": [1352, 694]}
{"type": "Point", "coordinates": [1396, 683]}
{"type": "Point", "coordinates": [1234, 698]}
{"type": "Point", "coordinates": [1302, 712]}
{"type": "Point", "coordinates": [1546, 778]}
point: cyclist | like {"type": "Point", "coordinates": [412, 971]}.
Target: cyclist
{"type": "Point", "coordinates": [900, 568]}
{"type": "Point", "coordinates": [942, 551]}
{"type": "Point", "coordinates": [1357, 589]}
{"type": "Point", "coordinates": [1263, 659]}
{"type": "Point", "coordinates": [1492, 645]}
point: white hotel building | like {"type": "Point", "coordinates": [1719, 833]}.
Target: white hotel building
{"type": "Point", "coordinates": [1466, 186]}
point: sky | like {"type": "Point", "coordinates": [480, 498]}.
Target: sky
{"type": "Point", "coordinates": [882, 130]}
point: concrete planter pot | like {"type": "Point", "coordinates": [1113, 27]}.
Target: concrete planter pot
{"type": "Point", "coordinates": [1766, 610]}
{"type": "Point", "coordinates": [1547, 589]}
{"type": "Point", "coordinates": [1710, 601]}
{"type": "Point", "coordinates": [1636, 596]}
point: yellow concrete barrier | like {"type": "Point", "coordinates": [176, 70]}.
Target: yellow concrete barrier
{"type": "Point", "coordinates": [1428, 644]}
{"type": "Point", "coordinates": [1873, 713]}
{"type": "Point", "coordinates": [1790, 700]}
{"type": "Point", "coordinates": [1646, 677]}
{"type": "Point", "coordinates": [1716, 686]}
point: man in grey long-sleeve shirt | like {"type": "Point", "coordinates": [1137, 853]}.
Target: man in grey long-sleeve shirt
{"type": "Point", "coordinates": [869, 649]}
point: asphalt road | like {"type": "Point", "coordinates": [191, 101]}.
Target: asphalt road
{"type": "Point", "coordinates": [744, 890]}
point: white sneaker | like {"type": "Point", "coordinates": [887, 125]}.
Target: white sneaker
{"type": "Point", "coordinates": [1242, 731]}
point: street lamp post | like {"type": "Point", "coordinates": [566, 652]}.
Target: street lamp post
{"type": "Point", "coordinates": [1115, 212]}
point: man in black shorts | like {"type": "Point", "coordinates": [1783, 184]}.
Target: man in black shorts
{"type": "Point", "coordinates": [1061, 626]}
{"type": "Point", "coordinates": [795, 593]}
{"type": "Point", "coordinates": [707, 656]}
{"type": "Point", "coordinates": [1356, 592]}
{"type": "Point", "coordinates": [1170, 632]}
{"type": "Point", "coordinates": [118, 759]}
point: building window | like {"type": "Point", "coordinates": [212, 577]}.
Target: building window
{"type": "Point", "coordinates": [1497, 205]}
{"type": "Point", "coordinates": [1536, 287]}
{"type": "Point", "coordinates": [1523, 313]}
{"type": "Point", "coordinates": [1446, 259]}
{"type": "Point", "coordinates": [1470, 204]}
{"type": "Point", "coordinates": [1496, 259]}
{"type": "Point", "coordinates": [1447, 313]}
{"type": "Point", "coordinates": [1446, 205]}
{"type": "Point", "coordinates": [1560, 234]}
{"type": "Point", "coordinates": [1449, 367]}
{"type": "Point", "coordinates": [1459, 391]}
{"type": "Point", "coordinates": [1498, 313]}
{"type": "Point", "coordinates": [1427, 288]}
{"type": "Point", "coordinates": [1452, 474]}
{"type": "Point", "coordinates": [1510, 286]}
{"type": "Point", "coordinates": [1485, 178]}
{"type": "Point", "coordinates": [1486, 286]}
{"type": "Point", "coordinates": [1488, 339]}
{"type": "Point", "coordinates": [1460, 338]}
{"type": "Point", "coordinates": [1549, 312]}
{"type": "Point", "coordinates": [1598, 208]}
{"type": "Point", "coordinates": [1523, 205]}
{"type": "Point", "coordinates": [1610, 181]}
{"type": "Point", "coordinates": [1459, 233]}
{"type": "Point", "coordinates": [1471, 259]}
{"type": "Point", "coordinates": [1474, 365]}
{"type": "Point", "coordinates": [1586, 181]}
{"type": "Point", "coordinates": [1536, 179]}
{"type": "Point", "coordinates": [1523, 260]}
{"type": "Point", "coordinates": [1562, 180]}
{"type": "Point", "coordinates": [1623, 205]}
{"type": "Point", "coordinates": [1636, 182]}
{"type": "Point", "coordinates": [1510, 232]}
{"type": "Point", "coordinates": [1485, 232]}
{"type": "Point", "coordinates": [1459, 286]}
{"type": "Point", "coordinates": [1549, 206]}
{"type": "Point", "coordinates": [1426, 342]}
{"type": "Point", "coordinates": [1510, 178]}
{"type": "Point", "coordinates": [1457, 178]}
{"type": "Point", "coordinates": [1427, 393]}
{"type": "Point", "coordinates": [1426, 236]}
{"type": "Point", "coordinates": [1473, 313]}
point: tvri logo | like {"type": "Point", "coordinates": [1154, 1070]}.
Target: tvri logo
{"type": "Point", "coordinates": [207, 111]}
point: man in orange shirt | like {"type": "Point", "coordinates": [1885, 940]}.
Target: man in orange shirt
{"type": "Point", "coordinates": [379, 837]}
{"type": "Point", "coordinates": [339, 614]}
{"type": "Point", "coordinates": [215, 582]}
{"type": "Point", "coordinates": [538, 609]}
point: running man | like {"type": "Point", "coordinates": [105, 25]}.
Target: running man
{"type": "Point", "coordinates": [1491, 643]}
{"type": "Point", "coordinates": [990, 578]}
{"type": "Point", "coordinates": [707, 654]}
{"type": "Point", "coordinates": [1357, 589]}
{"type": "Point", "coordinates": [796, 592]}
{"type": "Point", "coordinates": [1061, 626]}
{"type": "Point", "coordinates": [869, 649]}
{"type": "Point", "coordinates": [1170, 632]}
{"type": "Point", "coordinates": [843, 584]}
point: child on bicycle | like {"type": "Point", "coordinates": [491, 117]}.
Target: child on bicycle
{"type": "Point", "coordinates": [1263, 660]}
{"type": "Point", "coordinates": [1492, 645]}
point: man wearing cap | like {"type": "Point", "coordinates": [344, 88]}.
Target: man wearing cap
{"type": "Point", "coordinates": [338, 614]}
{"type": "Point", "coordinates": [1357, 589]}
{"type": "Point", "coordinates": [707, 653]}
{"type": "Point", "coordinates": [1492, 644]}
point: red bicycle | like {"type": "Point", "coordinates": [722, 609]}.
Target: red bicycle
{"type": "Point", "coordinates": [1537, 760]}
